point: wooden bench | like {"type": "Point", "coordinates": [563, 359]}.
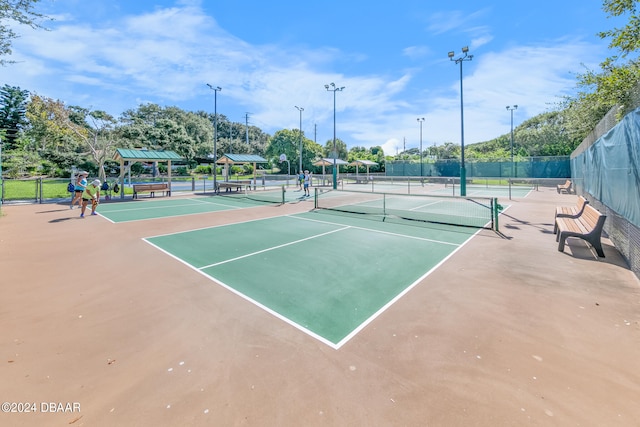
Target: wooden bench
{"type": "Point", "coordinates": [588, 227]}
{"type": "Point", "coordinates": [151, 188]}
{"type": "Point", "coordinates": [570, 211]}
{"type": "Point", "coordinates": [564, 188]}
{"type": "Point", "coordinates": [329, 181]}
{"type": "Point", "coordinates": [230, 185]}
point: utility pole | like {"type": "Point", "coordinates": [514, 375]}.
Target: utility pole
{"type": "Point", "coordinates": [246, 119]}
{"type": "Point", "coordinates": [421, 120]}
{"type": "Point", "coordinates": [230, 137]}
{"type": "Point", "coordinates": [300, 110]}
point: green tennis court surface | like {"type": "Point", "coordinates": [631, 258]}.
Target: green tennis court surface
{"type": "Point", "coordinates": [326, 274]}
{"type": "Point", "coordinates": [178, 206]}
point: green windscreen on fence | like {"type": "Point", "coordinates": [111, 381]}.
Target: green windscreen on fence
{"type": "Point", "coordinates": [608, 169]}
{"type": "Point", "coordinates": [529, 167]}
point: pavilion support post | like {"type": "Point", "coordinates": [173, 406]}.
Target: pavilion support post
{"type": "Point", "coordinates": [121, 178]}
{"type": "Point", "coordinates": [255, 176]}
{"type": "Point", "coordinates": [169, 175]}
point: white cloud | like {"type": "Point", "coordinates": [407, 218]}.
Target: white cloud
{"type": "Point", "coordinates": [416, 52]}
{"type": "Point", "coordinates": [167, 56]}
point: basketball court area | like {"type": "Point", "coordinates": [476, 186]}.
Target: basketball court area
{"type": "Point", "coordinates": [145, 322]}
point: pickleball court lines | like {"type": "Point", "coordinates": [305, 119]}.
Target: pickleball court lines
{"type": "Point", "coordinates": [297, 303]}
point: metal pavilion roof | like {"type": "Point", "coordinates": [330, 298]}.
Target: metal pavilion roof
{"type": "Point", "coordinates": [362, 163]}
{"type": "Point", "coordinates": [329, 162]}
{"type": "Point", "coordinates": [146, 155]}
{"type": "Point", "coordinates": [241, 158]}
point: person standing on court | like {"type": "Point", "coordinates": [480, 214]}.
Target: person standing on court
{"type": "Point", "coordinates": [300, 179]}
{"type": "Point", "coordinates": [80, 185]}
{"type": "Point", "coordinates": [91, 194]}
{"type": "Point", "coordinates": [307, 181]}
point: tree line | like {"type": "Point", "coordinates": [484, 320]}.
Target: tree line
{"type": "Point", "coordinates": [43, 136]}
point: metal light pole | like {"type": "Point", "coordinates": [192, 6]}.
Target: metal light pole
{"type": "Point", "coordinates": [463, 172]}
{"type": "Point", "coordinates": [331, 87]}
{"type": "Point", "coordinates": [511, 108]}
{"type": "Point", "coordinates": [1, 182]}
{"type": "Point", "coordinates": [300, 109]}
{"type": "Point", "coordinates": [421, 120]}
{"type": "Point", "coordinates": [215, 90]}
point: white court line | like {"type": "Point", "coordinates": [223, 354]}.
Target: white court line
{"type": "Point", "coordinates": [107, 218]}
{"type": "Point", "coordinates": [217, 226]}
{"type": "Point", "coordinates": [426, 205]}
{"type": "Point", "coordinates": [401, 294]}
{"type": "Point", "coordinates": [335, 346]}
{"type": "Point", "coordinates": [215, 202]}
{"type": "Point", "coordinates": [249, 299]}
{"type": "Point", "coordinates": [372, 230]}
{"type": "Point", "coordinates": [276, 247]}
{"type": "Point", "coordinates": [167, 205]}
{"type": "Point", "coordinates": [177, 215]}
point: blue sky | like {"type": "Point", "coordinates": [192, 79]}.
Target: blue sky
{"type": "Point", "coordinates": [269, 57]}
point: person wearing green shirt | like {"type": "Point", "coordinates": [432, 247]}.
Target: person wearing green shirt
{"type": "Point", "coordinates": [91, 194]}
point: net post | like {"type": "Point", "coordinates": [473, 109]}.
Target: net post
{"type": "Point", "coordinates": [384, 204]}
{"type": "Point", "coordinates": [315, 198]}
{"type": "Point", "coordinates": [494, 208]}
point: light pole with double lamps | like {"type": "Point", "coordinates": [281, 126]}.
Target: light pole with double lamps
{"type": "Point", "coordinates": [463, 172]}
{"type": "Point", "coordinates": [215, 90]}
{"type": "Point", "coordinates": [300, 109]}
{"type": "Point", "coordinates": [331, 87]}
{"type": "Point", "coordinates": [511, 108]}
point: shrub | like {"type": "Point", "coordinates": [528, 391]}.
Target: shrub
{"type": "Point", "coordinates": [202, 169]}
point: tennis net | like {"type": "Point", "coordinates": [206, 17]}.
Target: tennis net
{"type": "Point", "coordinates": [272, 194]}
{"type": "Point", "coordinates": [477, 212]}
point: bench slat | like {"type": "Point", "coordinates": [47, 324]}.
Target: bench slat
{"type": "Point", "coordinates": [570, 211]}
{"type": "Point", "coordinates": [587, 227]}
